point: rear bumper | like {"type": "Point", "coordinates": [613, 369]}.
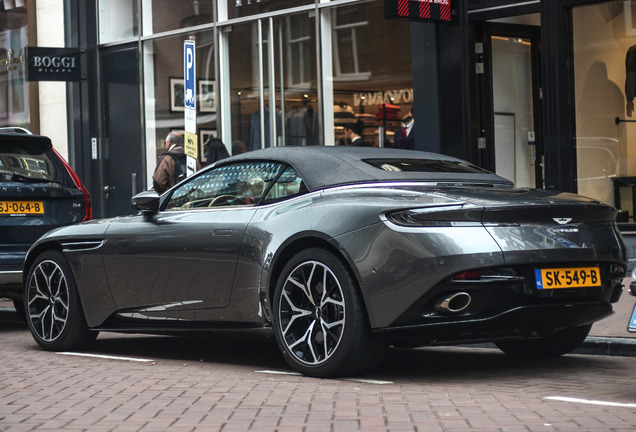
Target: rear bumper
{"type": "Point", "coordinates": [519, 322]}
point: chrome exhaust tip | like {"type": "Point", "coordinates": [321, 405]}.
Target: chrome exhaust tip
{"type": "Point", "coordinates": [454, 303]}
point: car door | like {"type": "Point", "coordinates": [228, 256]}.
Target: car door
{"type": "Point", "coordinates": [184, 257]}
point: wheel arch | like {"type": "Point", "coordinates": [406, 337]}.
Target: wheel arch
{"type": "Point", "coordinates": [307, 242]}
{"type": "Point", "coordinates": [34, 252]}
{"type": "Point", "coordinates": [98, 304]}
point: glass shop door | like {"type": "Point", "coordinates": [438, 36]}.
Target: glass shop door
{"type": "Point", "coordinates": [516, 99]}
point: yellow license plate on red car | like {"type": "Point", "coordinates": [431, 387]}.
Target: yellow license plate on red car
{"type": "Point", "coordinates": [21, 208]}
{"type": "Point", "coordinates": [571, 277]}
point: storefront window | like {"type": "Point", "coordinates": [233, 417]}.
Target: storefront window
{"type": "Point", "coordinates": [278, 57]}
{"type": "Point", "coordinates": [349, 27]}
{"type": "Point", "coordinates": [164, 92]}
{"type": "Point", "coordinates": [117, 20]}
{"type": "Point", "coordinates": [243, 8]}
{"type": "Point", "coordinates": [165, 15]}
{"type": "Point", "coordinates": [604, 42]}
{"type": "Point", "coordinates": [244, 85]}
{"type": "Point", "coordinates": [14, 96]}
{"type": "Point", "coordinates": [372, 75]}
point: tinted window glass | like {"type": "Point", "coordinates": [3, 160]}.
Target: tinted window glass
{"type": "Point", "coordinates": [31, 161]}
{"type": "Point", "coordinates": [425, 165]}
{"type": "Point", "coordinates": [240, 184]}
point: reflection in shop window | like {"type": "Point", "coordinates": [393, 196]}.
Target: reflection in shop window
{"type": "Point", "coordinates": [243, 8]}
{"type": "Point", "coordinates": [243, 77]}
{"type": "Point", "coordinates": [117, 20]}
{"type": "Point", "coordinates": [630, 16]}
{"type": "Point", "coordinates": [165, 15]}
{"type": "Point", "coordinates": [289, 114]}
{"type": "Point", "coordinates": [372, 75]}
{"type": "Point", "coordinates": [299, 45]}
{"type": "Point", "coordinates": [349, 29]}
{"type": "Point", "coordinates": [14, 90]}
{"type": "Point", "coordinates": [603, 38]}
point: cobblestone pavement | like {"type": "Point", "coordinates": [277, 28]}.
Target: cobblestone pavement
{"type": "Point", "coordinates": [224, 383]}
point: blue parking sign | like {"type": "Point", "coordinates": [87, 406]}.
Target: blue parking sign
{"type": "Point", "coordinates": [631, 327]}
{"type": "Point", "coordinates": [189, 64]}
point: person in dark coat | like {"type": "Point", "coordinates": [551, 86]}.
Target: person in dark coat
{"type": "Point", "coordinates": [164, 176]}
{"type": "Point", "coordinates": [353, 134]}
{"type": "Point", "coordinates": [404, 137]}
{"type": "Point", "coordinates": [215, 151]}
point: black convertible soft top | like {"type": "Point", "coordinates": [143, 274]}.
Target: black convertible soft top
{"type": "Point", "coordinates": [326, 166]}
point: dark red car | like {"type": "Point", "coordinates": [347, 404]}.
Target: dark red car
{"type": "Point", "coordinates": [38, 192]}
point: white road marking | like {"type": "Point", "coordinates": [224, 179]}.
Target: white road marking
{"type": "Point", "coordinates": [107, 357]}
{"type": "Point", "coordinates": [368, 381]}
{"type": "Point", "coordinates": [591, 402]}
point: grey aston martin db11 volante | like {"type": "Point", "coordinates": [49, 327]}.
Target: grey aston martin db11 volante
{"type": "Point", "coordinates": [341, 252]}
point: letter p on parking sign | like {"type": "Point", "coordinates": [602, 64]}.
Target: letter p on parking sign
{"type": "Point", "coordinates": [189, 68]}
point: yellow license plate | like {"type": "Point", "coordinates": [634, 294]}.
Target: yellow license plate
{"type": "Point", "coordinates": [21, 207]}
{"type": "Point", "coordinates": [574, 277]}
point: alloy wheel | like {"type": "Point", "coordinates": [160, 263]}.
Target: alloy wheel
{"type": "Point", "coordinates": [312, 313]}
{"type": "Point", "coordinates": [47, 301]}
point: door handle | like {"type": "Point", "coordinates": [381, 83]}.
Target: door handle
{"type": "Point", "coordinates": [222, 232]}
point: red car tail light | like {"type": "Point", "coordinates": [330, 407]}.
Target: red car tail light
{"type": "Point", "coordinates": [467, 275]}
{"type": "Point", "coordinates": [88, 209]}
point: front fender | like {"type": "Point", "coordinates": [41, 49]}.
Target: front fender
{"type": "Point", "coordinates": [81, 245]}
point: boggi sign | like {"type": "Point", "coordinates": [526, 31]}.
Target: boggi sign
{"type": "Point", "coordinates": [53, 64]}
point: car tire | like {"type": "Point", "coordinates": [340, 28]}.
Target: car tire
{"type": "Point", "coordinates": [553, 345]}
{"type": "Point", "coordinates": [323, 332]}
{"type": "Point", "coordinates": [53, 308]}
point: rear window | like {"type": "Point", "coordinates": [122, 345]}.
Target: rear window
{"type": "Point", "coordinates": [425, 166]}
{"type": "Point", "coordinates": [31, 160]}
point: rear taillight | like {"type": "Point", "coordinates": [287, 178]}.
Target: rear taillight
{"type": "Point", "coordinates": [440, 215]}
{"type": "Point", "coordinates": [88, 209]}
{"type": "Point", "coordinates": [467, 275]}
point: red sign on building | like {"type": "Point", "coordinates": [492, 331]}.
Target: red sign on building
{"type": "Point", "coordinates": [421, 10]}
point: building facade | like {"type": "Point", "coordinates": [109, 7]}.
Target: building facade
{"type": "Point", "coordinates": [541, 92]}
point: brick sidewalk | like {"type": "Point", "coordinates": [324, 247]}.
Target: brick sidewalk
{"type": "Point", "coordinates": [212, 386]}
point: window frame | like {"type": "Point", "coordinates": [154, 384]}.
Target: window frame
{"type": "Point", "coordinates": [341, 31]}
{"type": "Point", "coordinates": [303, 45]}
